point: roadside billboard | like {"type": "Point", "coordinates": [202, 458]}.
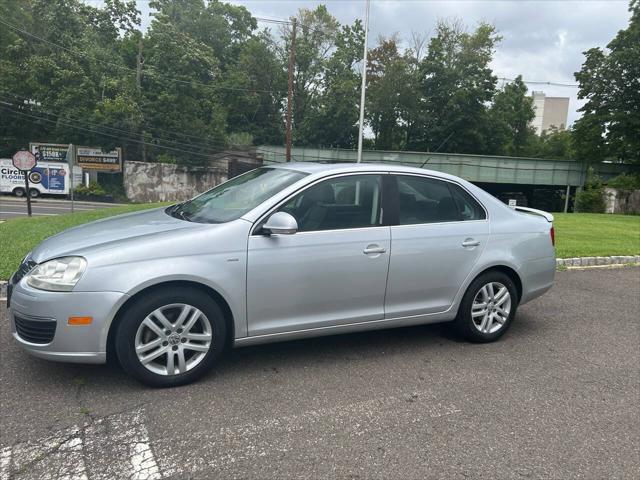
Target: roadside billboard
{"type": "Point", "coordinates": [91, 158]}
{"type": "Point", "coordinates": [49, 152]}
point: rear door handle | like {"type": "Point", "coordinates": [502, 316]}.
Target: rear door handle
{"type": "Point", "coordinates": [470, 242]}
{"type": "Point", "coordinates": [371, 249]}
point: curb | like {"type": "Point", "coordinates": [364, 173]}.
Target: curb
{"type": "Point", "coordinates": [597, 261]}
{"type": "Point", "coordinates": [3, 290]}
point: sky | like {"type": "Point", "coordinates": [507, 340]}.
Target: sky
{"type": "Point", "coordinates": [542, 40]}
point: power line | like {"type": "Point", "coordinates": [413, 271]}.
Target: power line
{"type": "Point", "coordinates": [205, 143]}
{"type": "Point", "coordinates": [132, 140]}
{"type": "Point", "coordinates": [153, 68]}
{"type": "Point", "coordinates": [127, 138]}
{"type": "Point", "coordinates": [534, 82]}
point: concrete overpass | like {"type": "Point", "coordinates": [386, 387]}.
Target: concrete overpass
{"type": "Point", "coordinates": [502, 176]}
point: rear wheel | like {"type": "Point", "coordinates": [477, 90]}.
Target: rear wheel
{"type": "Point", "coordinates": [488, 307]}
{"type": "Point", "coordinates": [34, 192]}
{"type": "Point", "coordinates": [18, 192]}
{"type": "Point", "coordinates": [170, 337]}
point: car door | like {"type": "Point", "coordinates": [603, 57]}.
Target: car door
{"type": "Point", "coordinates": [332, 271]}
{"type": "Point", "coordinates": [438, 235]}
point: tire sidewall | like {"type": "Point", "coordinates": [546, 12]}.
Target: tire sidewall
{"type": "Point", "coordinates": [137, 312]}
{"type": "Point", "coordinates": [464, 321]}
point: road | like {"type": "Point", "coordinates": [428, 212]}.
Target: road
{"type": "Point", "coordinates": [11, 207]}
{"type": "Point", "coordinates": [557, 397]}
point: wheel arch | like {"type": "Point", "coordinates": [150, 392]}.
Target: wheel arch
{"type": "Point", "coordinates": [216, 296]}
{"type": "Point", "coordinates": [508, 271]}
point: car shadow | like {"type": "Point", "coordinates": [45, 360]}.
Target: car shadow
{"type": "Point", "coordinates": [249, 361]}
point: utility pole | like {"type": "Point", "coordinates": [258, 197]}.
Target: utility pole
{"type": "Point", "coordinates": [292, 64]}
{"type": "Point", "coordinates": [71, 160]}
{"type": "Point", "coordinates": [364, 80]}
{"type": "Point", "coordinates": [139, 63]}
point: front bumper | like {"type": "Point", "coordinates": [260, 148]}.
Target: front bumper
{"type": "Point", "coordinates": [80, 344]}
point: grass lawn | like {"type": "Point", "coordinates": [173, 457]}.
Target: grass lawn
{"type": "Point", "coordinates": [18, 236]}
{"type": "Point", "coordinates": [596, 234]}
{"type": "Point", "coordinates": [577, 234]}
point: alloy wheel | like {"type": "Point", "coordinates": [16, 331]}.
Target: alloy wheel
{"type": "Point", "coordinates": [491, 307]}
{"type": "Point", "coordinates": [173, 339]}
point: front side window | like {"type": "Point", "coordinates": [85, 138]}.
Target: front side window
{"type": "Point", "coordinates": [345, 202]}
{"type": "Point", "coordinates": [230, 200]}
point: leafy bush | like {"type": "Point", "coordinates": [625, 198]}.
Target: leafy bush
{"type": "Point", "coordinates": [94, 188]}
{"type": "Point", "coordinates": [591, 198]}
{"type": "Point", "coordinates": [625, 181]}
{"type": "Point", "coordinates": [590, 201]}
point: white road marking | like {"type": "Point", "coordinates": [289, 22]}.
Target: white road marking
{"type": "Point", "coordinates": [5, 463]}
{"type": "Point", "coordinates": [115, 447]}
{"type": "Point", "coordinates": [56, 457]}
{"type": "Point", "coordinates": [118, 446]}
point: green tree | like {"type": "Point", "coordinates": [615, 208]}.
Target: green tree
{"type": "Point", "coordinates": [510, 116]}
{"type": "Point", "coordinates": [389, 76]}
{"type": "Point", "coordinates": [456, 85]}
{"type": "Point", "coordinates": [610, 82]}
{"type": "Point", "coordinates": [333, 122]}
{"type": "Point", "coordinates": [255, 85]}
{"type": "Point", "coordinates": [554, 143]}
{"type": "Point", "coordinates": [315, 41]}
{"type": "Point", "coordinates": [57, 78]}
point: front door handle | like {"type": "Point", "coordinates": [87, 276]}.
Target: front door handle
{"type": "Point", "coordinates": [470, 242]}
{"type": "Point", "coordinates": [373, 249]}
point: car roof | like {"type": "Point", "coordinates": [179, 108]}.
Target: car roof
{"type": "Point", "coordinates": [319, 168]}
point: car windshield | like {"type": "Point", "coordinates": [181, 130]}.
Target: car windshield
{"type": "Point", "coordinates": [230, 200]}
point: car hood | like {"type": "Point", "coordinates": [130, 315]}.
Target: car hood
{"type": "Point", "coordinates": [109, 230]}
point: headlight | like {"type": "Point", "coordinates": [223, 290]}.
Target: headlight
{"type": "Point", "coordinates": [60, 274]}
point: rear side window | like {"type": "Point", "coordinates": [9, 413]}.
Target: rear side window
{"type": "Point", "coordinates": [428, 200]}
{"type": "Point", "coordinates": [425, 200]}
{"type": "Point", "coordinates": [468, 207]}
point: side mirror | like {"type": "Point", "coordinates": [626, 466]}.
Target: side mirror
{"type": "Point", "coordinates": [281, 223]}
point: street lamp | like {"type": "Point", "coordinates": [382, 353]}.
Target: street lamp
{"type": "Point", "coordinates": [364, 80]}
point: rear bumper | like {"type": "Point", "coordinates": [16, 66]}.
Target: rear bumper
{"type": "Point", "coordinates": [78, 344]}
{"type": "Point", "coordinates": [537, 278]}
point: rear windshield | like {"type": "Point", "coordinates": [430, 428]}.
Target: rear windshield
{"type": "Point", "coordinates": [230, 200]}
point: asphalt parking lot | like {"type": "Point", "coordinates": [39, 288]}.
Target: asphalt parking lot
{"type": "Point", "coordinates": [11, 207]}
{"type": "Point", "coordinates": [557, 397]}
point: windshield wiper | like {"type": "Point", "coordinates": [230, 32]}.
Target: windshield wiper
{"type": "Point", "coordinates": [177, 212]}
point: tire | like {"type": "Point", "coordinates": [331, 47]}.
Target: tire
{"type": "Point", "coordinates": [482, 325]}
{"type": "Point", "coordinates": [18, 192]}
{"type": "Point", "coordinates": [143, 326]}
{"type": "Point", "coordinates": [34, 192]}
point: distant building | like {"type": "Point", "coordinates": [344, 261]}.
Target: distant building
{"type": "Point", "coordinates": [550, 112]}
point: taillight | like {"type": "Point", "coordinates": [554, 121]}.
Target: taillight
{"type": "Point", "coordinates": [553, 236]}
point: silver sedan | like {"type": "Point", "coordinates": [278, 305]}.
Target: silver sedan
{"type": "Point", "coordinates": [291, 251]}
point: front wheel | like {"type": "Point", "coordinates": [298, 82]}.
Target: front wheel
{"type": "Point", "coordinates": [487, 308]}
{"type": "Point", "coordinates": [170, 337]}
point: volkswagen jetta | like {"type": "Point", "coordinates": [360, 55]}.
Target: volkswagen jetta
{"type": "Point", "coordinates": [279, 253]}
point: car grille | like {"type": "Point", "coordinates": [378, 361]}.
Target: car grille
{"type": "Point", "coordinates": [35, 331]}
{"type": "Point", "coordinates": [25, 267]}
